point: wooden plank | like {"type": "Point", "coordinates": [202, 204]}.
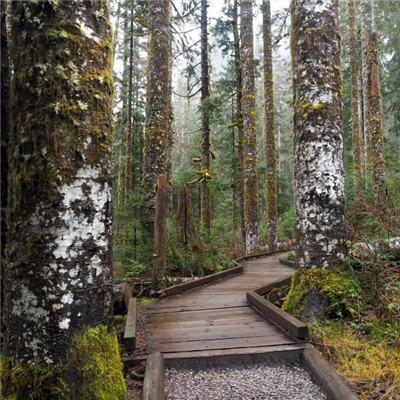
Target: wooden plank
{"type": "Point", "coordinates": [287, 262]}
{"type": "Point", "coordinates": [285, 321]}
{"type": "Point", "coordinates": [130, 326]}
{"type": "Point", "coordinates": [154, 378]}
{"type": "Point", "coordinates": [330, 382]}
{"type": "Point", "coordinates": [173, 290]}
{"type": "Point", "coordinates": [267, 288]}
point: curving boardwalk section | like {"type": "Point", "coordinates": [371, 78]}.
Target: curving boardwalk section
{"type": "Point", "coordinates": [216, 319]}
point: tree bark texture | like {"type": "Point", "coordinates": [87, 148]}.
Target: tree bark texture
{"type": "Point", "coordinates": [157, 109]}
{"type": "Point", "coordinates": [205, 217]}
{"type": "Point", "coordinates": [374, 120]}
{"type": "Point", "coordinates": [128, 144]}
{"type": "Point", "coordinates": [251, 197]}
{"type": "Point", "coordinates": [270, 152]}
{"type": "Point", "coordinates": [58, 276]}
{"type": "Point", "coordinates": [318, 147]}
{"type": "Point", "coordinates": [160, 230]}
{"type": "Point", "coordinates": [5, 114]}
{"type": "Point", "coordinates": [239, 116]}
{"type": "Point", "coordinates": [184, 218]}
{"type": "Point", "coordinates": [354, 101]}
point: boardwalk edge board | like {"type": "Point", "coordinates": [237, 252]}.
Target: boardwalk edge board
{"type": "Point", "coordinates": [154, 378]}
{"type": "Point", "coordinates": [330, 382]}
{"type": "Point", "coordinates": [276, 315]}
{"type": "Point", "coordinates": [288, 263]}
{"type": "Point", "coordinates": [130, 326]}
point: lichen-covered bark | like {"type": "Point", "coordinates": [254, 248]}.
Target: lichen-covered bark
{"type": "Point", "coordinates": [249, 129]}
{"type": "Point", "coordinates": [354, 101]}
{"type": "Point", "coordinates": [363, 13]}
{"type": "Point", "coordinates": [128, 144]}
{"type": "Point", "coordinates": [374, 120]}
{"type": "Point", "coordinates": [205, 216]}
{"type": "Point", "coordinates": [318, 147]}
{"type": "Point", "coordinates": [270, 154]}
{"type": "Point", "coordinates": [157, 110]}
{"type": "Point", "coordinates": [58, 276]}
{"type": "Point", "coordinates": [239, 117]}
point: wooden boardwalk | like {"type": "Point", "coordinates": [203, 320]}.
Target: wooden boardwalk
{"type": "Point", "coordinates": [216, 319]}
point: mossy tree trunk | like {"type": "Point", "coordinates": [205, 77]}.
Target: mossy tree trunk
{"type": "Point", "coordinates": [128, 144]}
{"type": "Point", "coordinates": [157, 109]}
{"type": "Point", "coordinates": [354, 104]}
{"type": "Point", "coordinates": [239, 116]}
{"type": "Point", "coordinates": [318, 147]}
{"type": "Point", "coordinates": [205, 216]}
{"type": "Point", "coordinates": [270, 152]}
{"type": "Point", "coordinates": [58, 279]}
{"type": "Point", "coordinates": [249, 129]}
{"type": "Point", "coordinates": [374, 120]}
{"type": "Point", "coordinates": [363, 29]}
{"type": "Point", "coordinates": [5, 114]}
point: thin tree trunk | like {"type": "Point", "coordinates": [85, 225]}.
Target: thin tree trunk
{"type": "Point", "coordinates": [249, 129]}
{"type": "Point", "coordinates": [205, 216]}
{"type": "Point", "coordinates": [239, 116]}
{"type": "Point", "coordinates": [58, 280]}
{"type": "Point", "coordinates": [119, 175]}
{"type": "Point", "coordinates": [354, 104]}
{"type": "Point", "coordinates": [128, 157]}
{"type": "Point", "coordinates": [270, 151]}
{"type": "Point", "coordinates": [318, 149]}
{"type": "Point", "coordinates": [157, 109]}
{"type": "Point", "coordinates": [234, 179]}
{"type": "Point", "coordinates": [374, 121]}
{"type": "Point", "coordinates": [160, 230]}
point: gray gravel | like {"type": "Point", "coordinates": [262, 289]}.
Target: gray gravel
{"type": "Point", "coordinates": [258, 381]}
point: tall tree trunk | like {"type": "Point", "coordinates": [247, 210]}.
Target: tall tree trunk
{"type": "Point", "coordinates": [239, 116]}
{"type": "Point", "coordinates": [318, 148]}
{"type": "Point", "coordinates": [5, 127]}
{"type": "Point", "coordinates": [270, 151]}
{"type": "Point", "coordinates": [160, 230]}
{"type": "Point", "coordinates": [205, 216]}
{"type": "Point", "coordinates": [354, 103]}
{"type": "Point", "coordinates": [374, 120]}
{"type": "Point", "coordinates": [363, 27]}
{"type": "Point", "coordinates": [157, 109]}
{"type": "Point", "coordinates": [119, 175]}
{"type": "Point", "coordinates": [234, 179]}
{"type": "Point", "coordinates": [128, 157]}
{"type": "Point", "coordinates": [249, 130]}
{"type": "Point", "coordinates": [58, 280]}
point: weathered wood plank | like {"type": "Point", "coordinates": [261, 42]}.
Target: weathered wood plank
{"type": "Point", "coordinates": [130, 326]}
{"type": "Point", "coordinates": [154, 378]}
{"type": "Point", "coordinates": [290, 324]}
{"type": "Point", "coordinates": [327, 378]}
{"type": "Point", "coordinates": [173, 290]}
{"type": "Point", "coordinates": [267, 288]}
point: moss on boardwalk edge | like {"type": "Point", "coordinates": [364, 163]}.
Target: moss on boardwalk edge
{"type": "Point", "coordinates": [92, 370]}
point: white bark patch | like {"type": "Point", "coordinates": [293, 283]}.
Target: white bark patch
{"type": "Point", "coordinates": [64, 324]}
{"type": "Point", "coordinates": [317, 5]}
{"type": "Point", "coordinates": [88, 31]}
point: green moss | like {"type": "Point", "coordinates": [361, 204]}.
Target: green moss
{"type": "Point", "coordinates": [92, 370]}
{"type": "Point", "coordinates": [336, 287]}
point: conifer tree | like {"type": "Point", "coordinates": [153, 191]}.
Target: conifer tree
{"type": "Point", "coordinates": [354, 101]}
{"type": "Point", "coordinates": [58, 269]}
{"type": "Point", "coordinates": [270, 155]}
{"type": "Point", "coordinates": [205, 216]}
{"type": "Point", "coordinates": [157, 109]}
{"type": "Point", "coordinates": [318, 139]}
{"type": "Point", "coordinates": [251, 199]}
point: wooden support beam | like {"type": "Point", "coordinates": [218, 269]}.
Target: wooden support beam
{"type": "Point", "coordinates": [283, 320]}
{"type": "Point", "coordinates": [154, 378]}
{"type": "Point", "coordinates": [287, 262]}
{"type": "Point", "coordinates": [327, 378]}
{"type": "Point", "coordinates": [130, 326]}
{"type": "Point", "coordinates": [274, 285]}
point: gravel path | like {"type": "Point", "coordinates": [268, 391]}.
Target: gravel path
{"type": "Point", "coordinates": [258, 381]}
